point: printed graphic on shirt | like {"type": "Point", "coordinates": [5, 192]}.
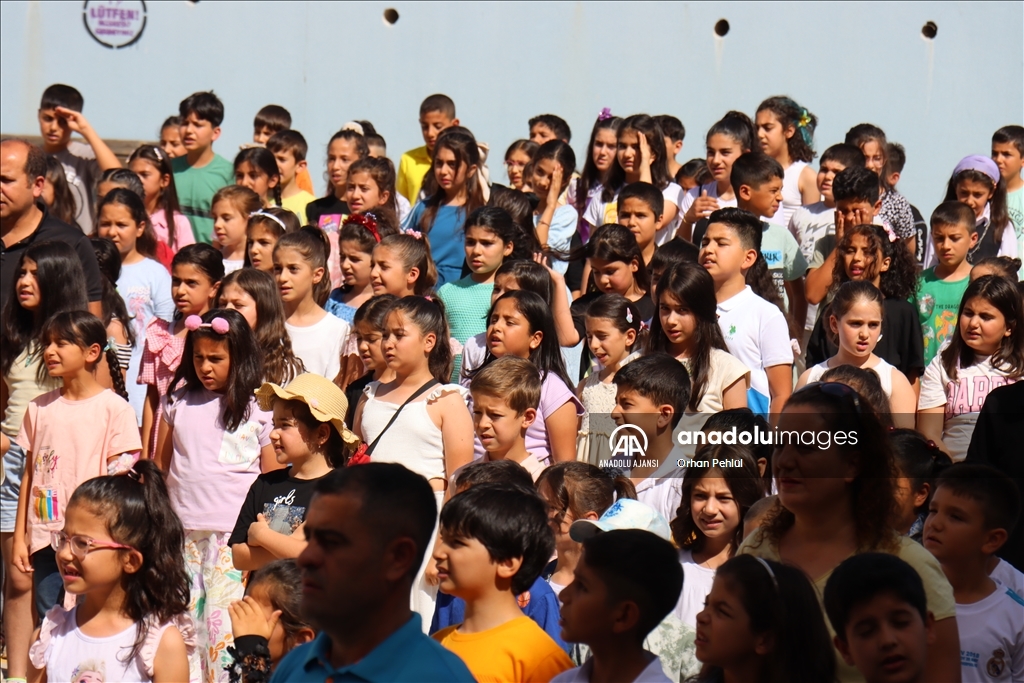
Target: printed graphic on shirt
{"type": "Point", "coordinates": [996, 665]}
{"type": "Point", "coordinates": [967, 394]}
{"type": "Point", "coordinates": [242, 446]}
{"type": "Point", "coordinates": [282, 516]}
{"type": "Point", "coordinates": [90, 671]}
{"type": "Point", "coordinates": [939, 324]}
{"type": "Point", "coordinates": [136, 300]}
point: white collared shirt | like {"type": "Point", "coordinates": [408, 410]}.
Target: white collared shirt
{"type": "Point", "coordinates": [653, 673]}
{"type": "Point", "coordinates": [663, 488]}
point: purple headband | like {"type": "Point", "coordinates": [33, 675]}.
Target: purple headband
{"type": "Point", "coordinates": [977, 162]}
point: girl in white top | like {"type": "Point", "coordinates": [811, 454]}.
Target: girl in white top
{"type": "Point", "coordinates": [856, 320]}
{"type": "Point", "coordinates": [614, 330]}
{"type": "Point", "coordinates": [987, 352]}
{"type": "Point", "coordinates": [687, 328]}
{"type": "Point", "coordinates": [786, 133]}
{"type": "Point", "coordinates": [231, 207]}
{"type": "Point", "coordinates": [726, 141]}
{"type": "Point", "coordinates": [131, 622]}
{"type": "Point", "coordinates": [640, 157]}
{"type": "Point", "coordinates": [300, 266]}
{"type": "Point", "coordinates": [708, 526]}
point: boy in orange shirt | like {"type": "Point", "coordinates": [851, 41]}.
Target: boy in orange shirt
{"type": "Point", "coordinates": [495, 540]}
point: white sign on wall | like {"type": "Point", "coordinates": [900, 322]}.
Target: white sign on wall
{"type": "Point", "coordinates": [114, 23]}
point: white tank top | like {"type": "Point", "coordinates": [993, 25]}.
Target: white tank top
{"type": "Point", "coordinates": [413, 440]}
{"type": "Point", "coordinates": [67, 654]}
{"type": "Point", "coordinates": [791, 197]}
{"type": "Point", "coordinates": [882, 369]}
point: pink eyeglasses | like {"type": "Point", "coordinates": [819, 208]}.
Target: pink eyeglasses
{"type": "Point", "coordinates": [82, 545]}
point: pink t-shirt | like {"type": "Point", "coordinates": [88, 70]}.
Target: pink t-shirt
{"type": "Point", "coordinates": [70, 442]}
{"type": "Point", "coordinates": [553, 395]}
{"type": "Point", "coordinates": [211, 469]}
{"type": "Point", "coordinates": [182, 229]}
{"type": "Point", "coordinates": [161, 356]}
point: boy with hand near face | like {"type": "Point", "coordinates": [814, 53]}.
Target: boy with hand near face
{"type": "Point", "coordinates": [506, 395]}
{"type": "Point", "coordinates": [289, 149]}
{"type": "Point", "coordinates": [611, 607]}
{"type": "Point", "coordinates": [495, 541]}
{"type": "Point", "coordinates": [641, 208]}
{"type": "Point", "coordinates": [651, 394]}
{"type": "Point", "coordinates": [60, 115]}
{"type": "Point", "coordinates": [940, 288]}
{"type": "Point", "coordinates": [755, 331]}
{"type": "Point", "coordinates": [437, 112]}
{"type": "Point", "coordinates": [971, 514]}
{"type": "Point", "coordinates": [201, 172]}
{"type": "Point", "coordinates": [878, 609]}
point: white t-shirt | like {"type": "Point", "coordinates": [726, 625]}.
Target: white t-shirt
{"type": "Point", "coordinates": [319, 346]}
{"type": "Point", "coordinates": [882, 368]}
{"type": "Point", "coordinates": [757, 335]}
{"type": "Point", "coordinates": [791, 197]}
{"type": "Point", "coordinates": [145, 288]}
{"type": "Point", "coordinates": [992, 637]}
{"type": "Point", "coordinates": [809, 224]}
{"type": "Point", "coordinates": [1009, 576]}
{"type": "Point", "coordinates": [697, 582]}
{"type": "Point", "coordinates": [231, 265]}
{"type": "Point", "coordinates": [663, 488]}
{"type": "Point", "coordinates": [600, 212]}
{"type": "Point", "coordinates": [690, 196]}
{"type": "Point", "coordinates": [962, 397]}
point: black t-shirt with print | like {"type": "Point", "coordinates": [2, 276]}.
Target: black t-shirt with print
{"type": "Point", "coordinates": [280, 498]}
{"type": "Point", "coordinates": [325, 206]}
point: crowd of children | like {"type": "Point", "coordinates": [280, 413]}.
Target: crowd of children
{"type": "Point", "coordinates": [560, 425]}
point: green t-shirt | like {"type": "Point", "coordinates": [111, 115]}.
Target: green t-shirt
{"type": "Point", "coordinates": [1015, 207]}
{"type": "Point", "coordinates": [937, 304]}
{"type": "Point", "coordinates": [196, 187]}
{"type": "Point", "coordinates": [466, 303]}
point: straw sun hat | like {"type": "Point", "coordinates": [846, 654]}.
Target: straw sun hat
{"type": "Point", "coordinates": [326, 401]}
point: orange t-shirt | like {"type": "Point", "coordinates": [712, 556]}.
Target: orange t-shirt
{"type": "Point", "coordinates": [518, 651]}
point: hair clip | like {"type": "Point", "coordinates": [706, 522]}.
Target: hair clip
{"type": "Point", "coordinates": [158, 152]}
{"type": "Point", "coordinates": [267, 214]}
{"type": "Point", "coordinates": [889, 231]}
{"type": "Point", "coordinates": [366, 220]}
{"type": "Point", "coordinates": [414, 233]}
{"type": "Point", "coordinates": [644, 326]}
{"type": "Point", "coordinates": [218, 324]}
{"type": "Point", "coordinates": [354, 126]}
{"type": "Point", "coordinates": [133, 474]}
{"type": "Point", "coordinates": [111, 344]}
{"type": "Point", "coordinates": [605, 114]}
{"type": "Point", "coordinates": [629, 316]}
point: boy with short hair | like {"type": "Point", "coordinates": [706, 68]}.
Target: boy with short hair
{"type": "Point", "coordinates": [755, 330]}
{"type": "Point", "coordinates": [548, 127]}
{"type": "Point", "coordinates": [641, 206]}
{"type": "Point", "coordinates": [1007, 150]}
{"type": "Point", "coordinates": [289, 149]}
{"type": "Point", "coordinates": [377, 146]}
{"type": "Point", "coordinates": [674, 132]}
{"type": "Point", "coordinates": [612, 607]}
{"type": "Point", "coordinates": [269, 120]}
{"type": "Point", "coordinates": [201, 172]}
{"type": "Point", "coordinates": [437, 112]}
{"type": "Point", "coordinates": [878, 609]}
{"type": "Point", "coordinates": [971, 514]}
{"type": "Point", "coordinates": [858, 200]}
{"type": "Point", "coordinates": [651, 394]}
{"type": "Point", "coordinates": [757, 181]}
{"type": "Point", "coordinates": [506, 395]}
{"type": "Point", "coordinates": [895, 160]}
{"type": "Point", "coordinates": [60, 115]}
{"type": "Point", "coordinates": [940, 288]}
{"type": "Point", "coordinates": [495, 541]}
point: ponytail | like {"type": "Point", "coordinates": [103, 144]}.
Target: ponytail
{"type": "Point", "coordinates": [134, 505]}
{"type": "Point", "coordinates": [114, 364]}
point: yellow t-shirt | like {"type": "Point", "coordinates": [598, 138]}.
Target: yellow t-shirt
{"type": "Point", "coordinates": [413, 165]}
{"type": "Point", "coordinates": [297, 205]}
{"type": "Point", "coordinates": [937, 589]}
{"type": "Point", "coordinates": [518, 651]}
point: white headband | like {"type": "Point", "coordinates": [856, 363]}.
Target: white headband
{"type": "Point", "coordinates": [271, 216]}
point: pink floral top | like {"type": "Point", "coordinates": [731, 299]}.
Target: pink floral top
{"type": "Point", "coordinates": [161, 357]}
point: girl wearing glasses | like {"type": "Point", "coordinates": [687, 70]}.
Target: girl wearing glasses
{"type": "Point", "coordinates": [131, 622]}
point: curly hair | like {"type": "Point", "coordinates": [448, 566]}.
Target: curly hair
{"type": "Point", "coordinates": [899, 281]}
{"type": "Point", "coordinates": [789, 113]}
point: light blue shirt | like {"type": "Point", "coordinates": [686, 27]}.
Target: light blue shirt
{"type": "Point", "coordinates": [563, 227]}
{"type": "Point", "coordinates": [406, 655]}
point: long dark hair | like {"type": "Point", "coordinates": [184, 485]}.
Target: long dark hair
{"type": "Point", "coordinates": [692, 286]}
{"type": "Point", "coordinates": [735, 125]}
{"type": "Point", "coordinates": [548, 356]}
{"type": "Point", "coordinates": [428, 315]}
{"type": "Point", "coordinates": [263, 159]}
{"type": "Point", "coordinates": [463, 145]}
{"type": "Point", "coordinates": [579, 488]}
{"type": "Point", "coordinates": [622, 313]}
{"type": "Point", "coordinates": [134, 506]}
{"type": "Point", "coordinates": [63, 207]}
{"type": "Point", "coordinates": [614, 242]}
{"type": "Point", "coordinates": [591, 175]}
{"type": "Point", "coordinates": [282, 581]}
{"type": "Point", "coordinates": [159, 160]}
{"type": "Point", "coordinates": [781, 600]}
{"type": "Point", "coordinates": [382, 171]}
{"type": "Point", "coordinates": [245, 375]}
{"type": "Point", "coordinates": [1009, 357]}
{"type": "Point", "coordinates": [109, 260]}
{"type": "Point", "coordinates": [899, 281]}
{"type": "Point", "coordinates": [789, 113]}
{"type": "Point", "coordinates": [847, 296]}
{"type": "Point", "coordinates": [280, 364]}
{"type": "Point", "coordinates": [999, 214]}
{"type": "Point", "coordinates": [660, 178]}
{"type": "Point", "coordinates": [61, 283]}
{"type": "Point", "coordinates": [745, 484]}
{"type": "Point", "coordinates": [83, 329]}
{"type": "Point", "coordinates": [358, 142]}
{"type": "Point", "coordinates": [529, 276]}
{"type": "Point", "coordinates": [919, 460]}
{"type": "Point", "coordinates": [145, 244]}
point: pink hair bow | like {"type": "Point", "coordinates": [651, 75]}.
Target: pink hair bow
{"type": "Point", "coordinates": [414, 233]}
{"type": "Point", "coordinates": [218, 324]}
